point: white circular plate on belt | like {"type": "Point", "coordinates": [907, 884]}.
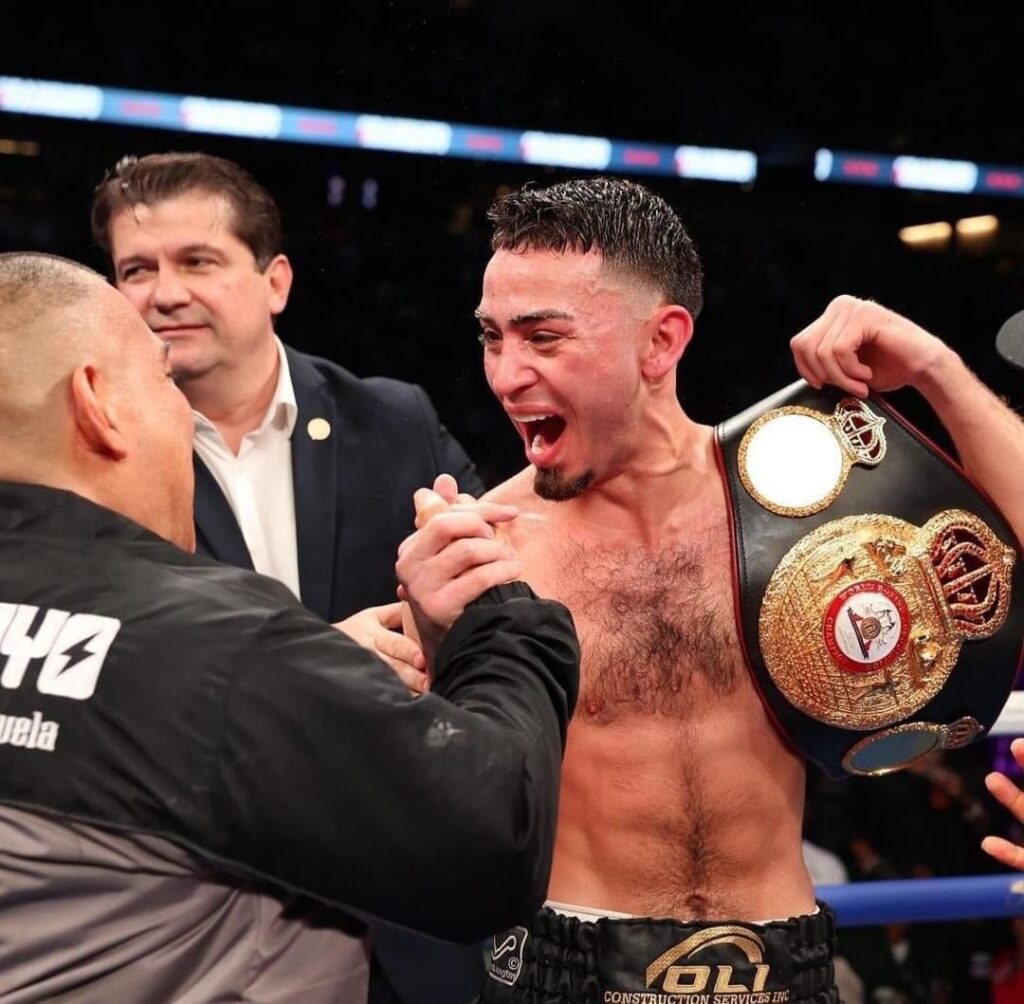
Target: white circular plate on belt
{"type": "Point", "coordinates": [793, 463]}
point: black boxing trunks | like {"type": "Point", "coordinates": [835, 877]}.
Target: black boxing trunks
{"type": "Point", "coordinates": [561, 959]}
{"type": "Point", "coordinates": [881, 598]}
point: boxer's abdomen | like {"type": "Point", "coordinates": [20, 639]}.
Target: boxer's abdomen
{"type": "Point", "coordinates": [686, 816]}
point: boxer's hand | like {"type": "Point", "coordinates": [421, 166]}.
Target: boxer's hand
{"type": "Point", "coordinates": [445, 493]}
{"type": "Point", "coordinates": [378, 629]}
{"type": "Point", "coordinates": [862, 346]}
{"type": "Point", "coordinates": [428, 503]}
{"type": "Point", "coordinates": [453, 558]}
{"type": "Point", "coordinates": [1008, 794]}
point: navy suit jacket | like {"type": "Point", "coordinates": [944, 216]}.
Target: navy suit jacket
{"type": "Point", "coordinates": [353, 489]}
{"type": "Point", "coordinates": [353, 506]}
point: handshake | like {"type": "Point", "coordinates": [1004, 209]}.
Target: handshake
{"type": "Point", "coordinates": [456, 553]}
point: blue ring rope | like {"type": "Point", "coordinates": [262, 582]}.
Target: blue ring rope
{"type": "Point", "coordinates": [921, 900]}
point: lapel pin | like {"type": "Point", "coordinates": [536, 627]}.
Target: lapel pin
{"type": "Point", "coordinates": [318, 428]}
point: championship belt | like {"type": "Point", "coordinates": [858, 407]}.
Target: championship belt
{"type": "Point", "coordinates": [880, 593]}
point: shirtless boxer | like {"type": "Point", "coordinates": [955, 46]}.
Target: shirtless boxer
{"type": "Point", "coordinates": [679, 798]}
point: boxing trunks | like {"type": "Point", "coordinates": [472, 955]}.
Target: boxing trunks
{"type": "Point", "coordinates": [880, 596]}
{"type": "Point", "coordinates": [562, 959]}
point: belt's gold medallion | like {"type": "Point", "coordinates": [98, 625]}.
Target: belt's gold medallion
{"type": "Point", "coordinates": [794, 461]}
{"type": "Point", "coordinates": [863, 619]}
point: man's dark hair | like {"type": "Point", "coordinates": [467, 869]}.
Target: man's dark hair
{"type": "Point", "coordinates": [632, 228]}
{"type": "Point", "coordinates": [255, 218]}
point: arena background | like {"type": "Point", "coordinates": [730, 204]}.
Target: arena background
{"type": "Point", "coordinates": [389, 248]}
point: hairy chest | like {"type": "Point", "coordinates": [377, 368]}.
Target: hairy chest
{"type": "Point", "coordinates": [656, 625]}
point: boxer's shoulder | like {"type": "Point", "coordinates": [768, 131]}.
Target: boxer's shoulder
{"type": "Point", "coordinates": [517, 490]}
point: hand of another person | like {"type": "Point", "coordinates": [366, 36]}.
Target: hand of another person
{"type": "Point", "coordinates": [1009, 795]}
{"type": "Point", "coordinates": [378, 629]}
{"type": "Point", "coordinates": [861, 346]}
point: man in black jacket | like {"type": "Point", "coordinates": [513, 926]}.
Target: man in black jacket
{"type": "Point", "coordinates": [203, 786]}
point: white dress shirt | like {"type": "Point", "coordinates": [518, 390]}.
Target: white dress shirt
{"type": "Point", "coordinates": [258, 482]}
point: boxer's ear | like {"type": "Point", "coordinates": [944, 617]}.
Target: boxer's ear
{"type": "Point", "coordinates": [670, 331]}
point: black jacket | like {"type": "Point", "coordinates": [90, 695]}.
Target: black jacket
{"type": "Point", "coordinates": [203, 704]}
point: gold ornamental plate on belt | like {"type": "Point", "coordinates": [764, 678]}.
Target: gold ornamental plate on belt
{"type": "Point", "coordinates": [794, 461]}
{"type": "Point", "coordinates": [863, 619]}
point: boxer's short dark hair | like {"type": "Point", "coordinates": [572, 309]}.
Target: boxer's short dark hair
{"type": "Point", "coordinates": [631, 226]}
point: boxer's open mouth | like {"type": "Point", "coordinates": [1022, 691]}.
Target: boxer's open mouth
{"type": "Point", "coordinates": [541, 432]}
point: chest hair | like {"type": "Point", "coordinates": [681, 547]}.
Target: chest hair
{"type": "Point", "coordinates": [656, 625]}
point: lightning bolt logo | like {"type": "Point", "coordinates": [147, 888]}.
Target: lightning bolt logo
{"type": "Point", "coordinates": [73, 666]}
{"type": "Point", "coordinates": [77, 653]}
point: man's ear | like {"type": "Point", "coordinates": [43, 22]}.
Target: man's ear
{"type": "Point", "coordinates": [94, 415]}
{"type": "Point", "coordinates": [670, 333]}
{"type": "Point", "coordinates": [279, 278]}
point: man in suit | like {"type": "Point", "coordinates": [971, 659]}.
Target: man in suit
{"type": "Point", "coordinates": [287, 446]}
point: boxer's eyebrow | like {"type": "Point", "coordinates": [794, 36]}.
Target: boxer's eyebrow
{"type": "Point", "coordinates": [550, 314]}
